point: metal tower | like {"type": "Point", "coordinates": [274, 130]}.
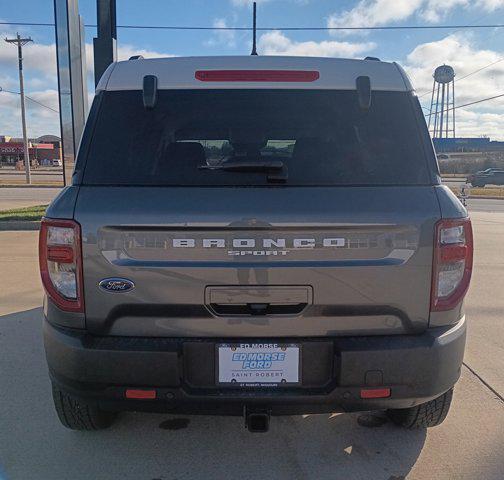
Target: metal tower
{"type": "Point", "coordinates": [442, 109]}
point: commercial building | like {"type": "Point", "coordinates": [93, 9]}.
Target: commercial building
{"type": "Point", "coordinates": [478, 144]}
{"type": "Point", "coordinates": [43, 151]}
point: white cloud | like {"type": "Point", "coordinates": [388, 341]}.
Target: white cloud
{"type": "Point", "coordinates": [41, 85]}
{"type": "Point", "coordinates": [473, 124]}
{"type": "Point", "coordinates": [126, 51]}
{"type": "Point", "coordinates": [460, 51]}
{"type": "Point", "coordinates": [490, 5]}
{"type": "Point", "coordinates": [276, 43]}
{"type": "Point", "coordinates": [435, 10]}
{"type": "Point", "coordinates": [373, 13]}
{"type": "Point", "coordinates": [39, 63]}
{"type": "Point", "coordinates": [36, 56]}
{"type": "Point", "coordinates": [222, 37]}
{"type": "Point", "coordinates": [40, 120]}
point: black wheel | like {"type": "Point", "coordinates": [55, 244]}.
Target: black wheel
{"type": "Point", "coordinates": [78, 415]}
{"type": "Point", "coordinates": [429, 414]}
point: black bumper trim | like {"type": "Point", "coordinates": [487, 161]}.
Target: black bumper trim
{"type": "Point", "coordinates": [416, 367]}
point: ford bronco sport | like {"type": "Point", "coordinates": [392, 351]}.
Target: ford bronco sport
{"type": "Point", "coordinates": [255, 236]}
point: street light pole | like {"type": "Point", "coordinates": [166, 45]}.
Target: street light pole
{"type": "Point", "coordinates": [20, 42]}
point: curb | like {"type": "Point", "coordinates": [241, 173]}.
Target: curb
{"type": "Point", "coordinates": [16, 225]}
{"type": "Point", "coordinates": [485, 197]}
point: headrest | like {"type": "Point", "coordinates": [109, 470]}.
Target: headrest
{"type": "Point", "coordinates": [186, 152]}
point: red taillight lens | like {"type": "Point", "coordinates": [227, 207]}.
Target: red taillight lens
{"type": "Point", "coordinates": [452, 264]}
{"type": "Point", "coordinates": [256, 75]}
{"type": "Point", "coordinates": [61, 263]}
{"type": "Point", "coordinates": [60, 254]}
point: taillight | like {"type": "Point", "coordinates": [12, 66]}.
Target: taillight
{"type": "Point", "coordinates": [256, 75]}
{"type": "Point", "coordinates": [452, 264]}
{"type": "Point", "coordinates": [61, 263]}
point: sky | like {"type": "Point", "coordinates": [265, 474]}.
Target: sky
{"type": "Point", "coordinates": [418, 51]}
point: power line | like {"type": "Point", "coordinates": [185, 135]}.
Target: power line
{"type": "Point", "coordinates": [468, 104]}
{"type": "Point", "coordinates": [468, 75]}
{"type": "Point", "coordinates": [479, 70]}
{"type": "Point", "coordinates": [385, 27]}
{"type": "Point", "coordinates": [180, 27]}
{"type": "Point", "coordinates": [479, 101]}
{"type": "Point", "coordinates": [28, 24]}
{"type": "Point", "coordinates": [31, 99]}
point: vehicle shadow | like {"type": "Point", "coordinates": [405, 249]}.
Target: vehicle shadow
{"type": "Point", "coordinates": [156, 446]}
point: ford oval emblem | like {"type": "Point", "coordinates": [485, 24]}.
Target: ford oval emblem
{"type": "Point", "coordinates": [116, 285]}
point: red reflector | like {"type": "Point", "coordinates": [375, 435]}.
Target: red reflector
{"type": "Point", "coordinates": [60, 254]}
{"type": "Point", "coordinates": [256, 75]}
{"type": "Point", "coordinates": [453, 253]}
{"type": "Point", "coordinates": [140, 394]}
{"type": "Point", "coordinates": [375, 393]}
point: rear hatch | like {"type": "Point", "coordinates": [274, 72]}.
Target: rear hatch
{"type": "Point", "coordinates": [256, 214]}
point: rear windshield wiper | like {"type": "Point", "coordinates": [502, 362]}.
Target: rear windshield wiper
{"type": "Point", "coordinates": [237, 166]}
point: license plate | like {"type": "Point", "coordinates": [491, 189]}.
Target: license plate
{"type": "Point", "coordinates": [258, 364]}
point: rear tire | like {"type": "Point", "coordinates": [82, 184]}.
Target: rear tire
{"type": "Point", "coordinates": [78, 415]}
{"type": "Point", "coordinates": [429, 414]}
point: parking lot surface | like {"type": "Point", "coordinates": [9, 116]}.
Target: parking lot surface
{"type": "Point", "coordinates": [33, 445]}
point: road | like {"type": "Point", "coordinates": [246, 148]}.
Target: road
{"type": "Point", "coordinates": [39, 176]}
{"type": "Point", "coordinates": [485, 205]}
{"type": "Point", "coordinates": [17, 197]}
{"type": "Point", "coordinates": [146, 447]}
{"type": "Point", "coordinates": [454, 181]}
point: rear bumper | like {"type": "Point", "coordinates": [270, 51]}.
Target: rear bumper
{"type": "Point", "coordinates": [417, 368]}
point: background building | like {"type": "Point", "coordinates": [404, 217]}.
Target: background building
{"type": "Point", "coordinates": [480, 144]}
{"type": "Point", "coordinates": [43, 151]}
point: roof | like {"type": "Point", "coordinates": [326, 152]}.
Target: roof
{"type": "Point", "coordinates": [48, 138]}
{"type": "Point", "coordinates": [180, 73]}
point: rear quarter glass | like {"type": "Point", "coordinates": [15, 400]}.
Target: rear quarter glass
{"type": "Point", "coordinates": [321, 137]}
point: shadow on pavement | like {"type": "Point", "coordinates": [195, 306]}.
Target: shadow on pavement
{"type": "Point", "coordinates": [33, 445]}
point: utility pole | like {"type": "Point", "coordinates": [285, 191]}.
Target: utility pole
{"type": "Point", "coordinates": [20, 42]}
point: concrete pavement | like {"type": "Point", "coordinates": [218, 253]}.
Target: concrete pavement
{"type": "Point", "coordinates": [141, 446]}
{"type": "Point", "coordinates": [485, 302]}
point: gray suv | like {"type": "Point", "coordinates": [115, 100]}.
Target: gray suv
{"type": "Point", "coordinates": [255, 236]}
{"type": "Point", "coordinates": [490, 176]}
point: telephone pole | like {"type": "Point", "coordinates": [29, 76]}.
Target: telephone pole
{"type": "Point", "coordinates": [20, 42]}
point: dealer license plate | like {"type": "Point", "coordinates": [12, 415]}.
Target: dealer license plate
{"type": "Point", "coordinates": [258, 364]}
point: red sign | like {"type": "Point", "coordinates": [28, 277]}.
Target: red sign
{"type": "Point", "coordinates": [43, 146]}
{"type": "Point", "coordinates": [11, 148]}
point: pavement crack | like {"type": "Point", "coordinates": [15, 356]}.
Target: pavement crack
{"type": "Point", "coordinates": [484, 382]}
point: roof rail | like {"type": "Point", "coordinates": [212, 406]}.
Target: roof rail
{"type": "Point", "coordinates": [375, 59]}
{"type": "Point", "coordinates": [136, 57]}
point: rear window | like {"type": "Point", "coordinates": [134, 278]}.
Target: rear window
{"type": "Point", "coordinates": [256, 138]}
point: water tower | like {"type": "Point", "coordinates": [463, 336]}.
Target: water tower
{"type": "Point", "coordinates": [442, 111]}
